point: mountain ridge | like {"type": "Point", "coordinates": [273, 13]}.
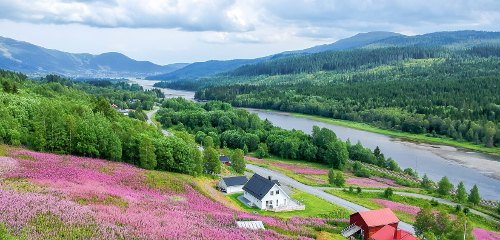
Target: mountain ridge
{"type": "Point", "coordinates": [213, 67]}
{"type": "Point", "coordinates": [36, 60]}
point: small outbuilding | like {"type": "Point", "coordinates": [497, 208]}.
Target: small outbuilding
{"type": "Point", "coordinates": [232, 184]}
{"type": "Point", "coordinates": [381, 224]}
{"type": "Point", "coordinates": [225, 160]}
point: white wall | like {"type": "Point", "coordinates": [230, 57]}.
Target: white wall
{"type": "Point", "coordinates": [278, 200]}
{"type": "Point", "coordinates": [281, 198]}
{"type": "Point", "coordinates": [231, 189]}
{"type": "Point", "coordinates": [253, 200]}
{"type": "Point", "coordinates": [234, 189]}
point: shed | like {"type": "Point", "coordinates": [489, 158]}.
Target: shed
{"type": "Point", "coordinates": [232, 184]}
{"type": "Point", "coordinates": [225, 160]}
{"type": "Point", "coordinates": [371, 222]}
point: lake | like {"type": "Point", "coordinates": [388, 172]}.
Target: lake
{"type": "Point", "coordinates": [434, 160]}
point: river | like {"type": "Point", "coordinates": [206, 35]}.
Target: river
{"type": "Point", "coordinates": [434, 160]}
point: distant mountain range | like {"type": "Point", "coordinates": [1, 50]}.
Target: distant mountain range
{"type": "Point", "coordinates": [209, 68]}
{"type": "Point", "coordinates": [362, 40]}
{"type": "Point", "coordinates": [34, 60]}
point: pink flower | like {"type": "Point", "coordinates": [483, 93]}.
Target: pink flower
{"type": "Point", "coordinates": [290, 167]}
{"type": "Point", "coordinates": [481, 234]}
{"type": "Point", "coordinates": [366, 182]}
{"type": "Point", "coordinates": [398, 206]}
{"type": "Point", "coordinates": [114, 199]}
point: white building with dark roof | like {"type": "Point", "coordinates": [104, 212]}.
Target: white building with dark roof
{"type": "Point", "coordinates": [265, 193]}
{"type": "Point", "coordinates": [232, 184]}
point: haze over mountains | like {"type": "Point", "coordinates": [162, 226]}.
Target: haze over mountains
{"type": "Point", "coordinates": [35, 60]}
{"type": "Point", "coordinates": [363, 40]}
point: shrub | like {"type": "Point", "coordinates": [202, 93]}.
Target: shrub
{"type": "Point", "coordinates": [358, 190]}
{"type": "Point", "coordinates": [339, 180]}
{"type": "Point", "coordinates": [388, 192]}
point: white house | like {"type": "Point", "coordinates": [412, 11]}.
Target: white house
{"type": "Point", "coordinates": [266, 193]}
{"type": "Point", "coordinates": [232, 184]}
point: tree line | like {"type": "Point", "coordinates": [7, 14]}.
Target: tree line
{"type": "Point", "coordinates": [53, 116]}
{"type": "Point", "coordinates": [456, 98]}
{"type": "Point", "coordinates": [226, 126]}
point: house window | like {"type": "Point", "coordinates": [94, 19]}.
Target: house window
{"type": "Point", "coordinates": [277, 192]}
{"type": "Point", "coordinates": [272, 192]}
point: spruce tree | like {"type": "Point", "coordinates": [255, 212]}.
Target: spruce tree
{"type": "Point", "coordinates": [474, 197]}
{"type": "Point", "coordinates": [461, 193]}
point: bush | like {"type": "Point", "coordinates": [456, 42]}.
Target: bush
{"type": "Point", "coordinates": [339, 180]}
{"type": "Point", "coordinates": [360, 170]}
{"type": "Point", "coordinates": [458, 208]}
{"type": "Point", "coordinates": [388, 192]}
{"type": "Point", "coordinates": [331, 176]}
{"type": "Point", "coordinates": [351, 189]}
{"type": "Point", "coordinates": [466, 210]}
{"type": "Point", "coordinates": [434, 202]}
{"type": "Point", "coordinates": [358, 190]}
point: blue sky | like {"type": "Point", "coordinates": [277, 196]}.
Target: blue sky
{"type": "Point", "coordinates": [168, 31]}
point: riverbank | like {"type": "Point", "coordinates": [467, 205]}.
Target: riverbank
{"type": "Point", "coordinates": [420, 138]}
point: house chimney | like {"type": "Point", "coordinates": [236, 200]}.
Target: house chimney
{"type": "Point", "coordinates": [269, 177]}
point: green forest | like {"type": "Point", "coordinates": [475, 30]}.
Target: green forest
{"type": "Point", "coordinates": [224, 126]}
{"type": "Point", "coordinates": [54, 114]}
{"type": "Point", "coordinates": [440, 92]}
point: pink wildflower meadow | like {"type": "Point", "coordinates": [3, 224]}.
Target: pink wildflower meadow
{"type": "Point", "coordinates": [290, 167]}
{"type": "Point", "coordinates": [481, 234]}
{"type": "Point", "coordinates": [113, 199]}
{"type": "Point", "coordinates": [7, 164]}
{"type": "Point", "coordinates": [366, 182]}
{"type": "Point", "coordinates": [411, 210]}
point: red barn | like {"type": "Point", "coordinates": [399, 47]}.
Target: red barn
{"type": "Point", "coordinates": [379, 224]}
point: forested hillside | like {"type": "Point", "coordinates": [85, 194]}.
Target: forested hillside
{"type": "Point", "coordinates": [56, 115]}
{"type": "Point", "coordinates": [445, 92]}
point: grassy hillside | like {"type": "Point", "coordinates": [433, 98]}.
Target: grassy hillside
{"type": "Point", "coordinates": [48, 196]}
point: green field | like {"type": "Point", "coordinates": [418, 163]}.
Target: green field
{"type": "Point", "coordinates": [315, 207]}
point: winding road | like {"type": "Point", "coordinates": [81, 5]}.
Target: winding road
{"type": "Point", "coordinates": [150, 120]}
{"type": "Point", "coordinates": [318, 193]}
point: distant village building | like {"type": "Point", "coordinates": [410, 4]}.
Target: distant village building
{"type": "Point", "coordinates": [225, 160]}
{"type": "Point", "coordinates": [232, 184]}
{"type": "Point", "coordinates": [379, 224]}
{"type": "Point", "coordinates": [265, 193]}
{"type": "Point", "coordinates": [123, 111]}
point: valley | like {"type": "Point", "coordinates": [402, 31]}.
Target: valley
{"type": "Point", "coordinates": [101, 146]}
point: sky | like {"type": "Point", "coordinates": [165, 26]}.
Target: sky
{"type": "Point", "coordinates": [171, 31]}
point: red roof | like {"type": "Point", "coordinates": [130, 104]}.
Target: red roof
{"type": "Point", "coordinates": [404, 235]}
{"type": "Point", "coordinates": [385, 233]}
{"type": "Point", "coordinates": [390, 233]}
{"type": "Point", "coordinates": [378, 217]}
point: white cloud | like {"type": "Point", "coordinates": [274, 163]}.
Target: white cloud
{"type": "Point", "coordinates": [189, 15]}
{"type": "Point", "coordinates": [194, 30]}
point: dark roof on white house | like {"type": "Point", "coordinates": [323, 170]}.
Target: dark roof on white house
{"type": "Point", "coordinates": [235, 181]}
{"type": "Point", "coordinates": [224, 159]}
{"type": "Point", "coordinates": [258, 186]}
